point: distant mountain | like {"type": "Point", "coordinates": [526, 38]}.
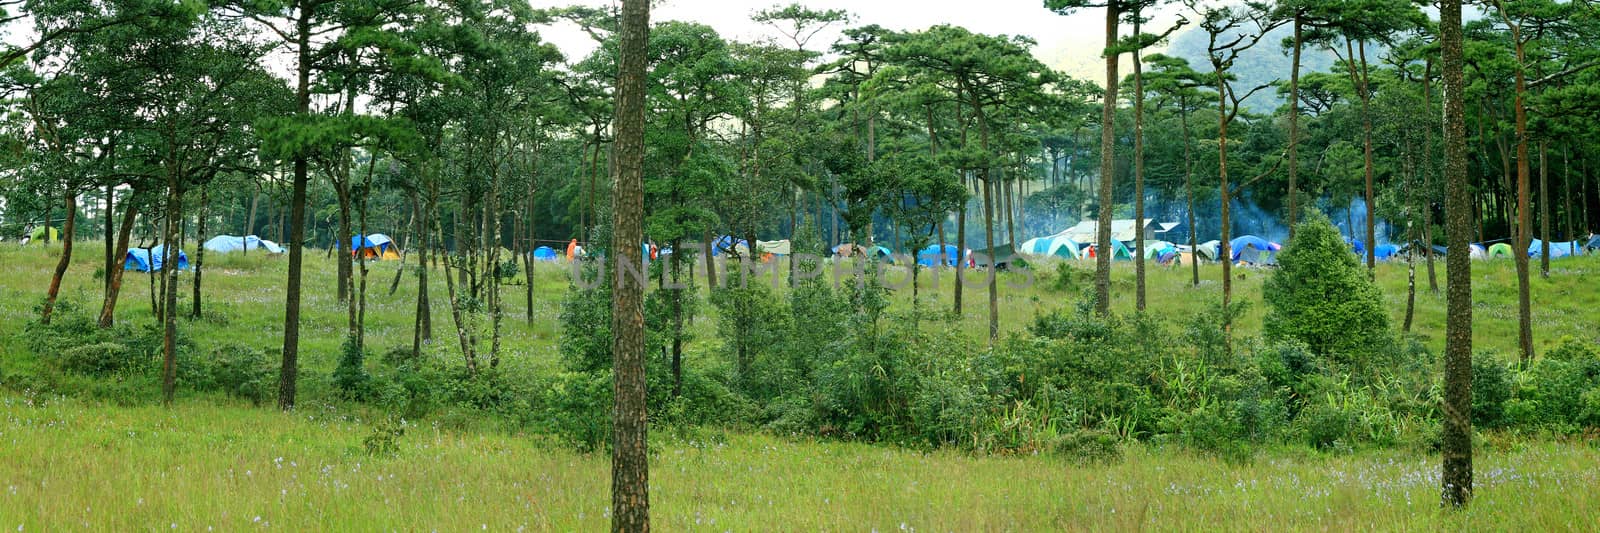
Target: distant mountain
{"type": "Point", "coordinates": [1268, 61]}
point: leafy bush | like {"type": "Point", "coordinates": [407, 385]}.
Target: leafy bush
{"type": "Point", "coordinates": [1491, 388]}
{"type": "Point", "coordinates": [350, 377]}
{"type": "Point", "coordinates": [75, 343]}
{"type": "Point", "coordinates": [240, 371]}
{"type": "Point", "coordinates": [1320, 295]}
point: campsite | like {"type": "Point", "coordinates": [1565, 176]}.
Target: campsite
{"type": "Point", "coordinates": [1045, 265]}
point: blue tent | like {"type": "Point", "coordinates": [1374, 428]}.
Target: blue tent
{"type": "Point", "coordinates": [1557, 249]}
{"type": "Point", "coordinates": [1055, 245]}
{"type": "Point", "coordinates": [726, 243]}
{"type": "Point", "coordinates": [1594, 244]}
{"type": "Point", "coordinates": [1385, 252]}
{"type": "Point", "coordinates": [1253, 249]}
{"type": "Point", "coordinates": [1356, 247]}
{"type": "Point", "coordinates": [141, 259]}
{"type": "Point", "coordinates": [928, 256]}
{"type": "Point", "coordinates": [229, 243]}
{"type": "Point", "coordinates": [544, 253]}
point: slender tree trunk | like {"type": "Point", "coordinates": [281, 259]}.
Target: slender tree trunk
{"type": "Point", "coordinates": [1224, 246]}
{"type": "Point", "coordinates": [169, 291]}
{"type": "Point", "coordinates": [111, 239]}
{"type": "Point", "coordinates": [1366, 154]}
{"type": "Point", "coordinates": [1456, 438]}
{"type": "Point", "coordinates": [69, 229]}
{"type": "Point", "coordinates": [630, 496]}
{"type": "Point", "coordinates": [1138, 171]}
{"type": "Point", "coordinates": [1188, 186]}
{"type": "Point", "coordinates": [1524, 211]}
{"type": "Point", "coordinates": [297, 209]}
{"type": "Point", "coordinates": [455, 313]}
{"type": "Point", "coordinates": [1427, 175]}
{"type": "Point", "coordinates": [200, 251]}
{"type": "Point", "coordinates": [108, 308]}
{"type": "Point", "coordinates": [1294, 124]}
{"type": "Point", "coordinates": [1108, 167]}
{"type": "Point", "coordinates": [1544, 213]}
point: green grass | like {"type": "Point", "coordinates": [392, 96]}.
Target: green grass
{"type": "Point", "coordinates": [198, 465]}
{"type": "Point", "coordinates": [214, 462]}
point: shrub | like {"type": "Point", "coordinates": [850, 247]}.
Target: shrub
{"type": "Point", "coordinates": [350, 377]}
{"type": "Point", "coordinates": [1089, 446]}
{"type": "Point", "coordinates": [1491, 388]}
{"type": "Point", "coordinates": [1320, 295]}
{"type": "Point", "coordinates": [243, 372]}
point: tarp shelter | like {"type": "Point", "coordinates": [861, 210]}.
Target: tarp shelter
{"type": "Point", "coordinates": [544, 253]}
{"type": "Point", "coordinates": [228, 243]}
{"type": "Point", "coordinates": [1356, 247]}
{"type": "Point", "coordinates": [38, 234]}
{"type": "Point", "coordinates": [1053, 246]}
{"type": "Point", "coordinates": [1478, 251]}
{"type": "Point", "coordinates": [933, 254]}
{"type": "Point", "coordinates": [1004, 257]}
{"type": "Point", "coordinates": [148, 259]}
{"type": "Point", "coordinates": [1557, 249]}
{"type": "Point", "coordinates": [1384, 252]}
{"type": "Point", "coordinates": [779, 247]}
{"type": "Point", "coordinates": [1119, 251]}
{"type": "Point", "coordinates": [1253, 249]}
{"type": "Point", "coordinates": [374, 246]}
{"type": "Point", "coordinates": [1501, 250]}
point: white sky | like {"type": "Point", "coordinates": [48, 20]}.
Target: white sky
{"type": "Point", "coordinates": [1068, 43]}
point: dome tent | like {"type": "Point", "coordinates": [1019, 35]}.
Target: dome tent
{"type": "Point", "coordinates": [1055, 245]}
{"type": "Point", "coordinates": [151, 259]}
{"type": "Point", "coordinates": [228, 243]}
{"type": "Point", "coordinates": [374, 246]}
{"type": "Point", "coordinates": [1557, 249]}
{"type": "Point", "coordinates": [544, 253]}
{"type": "Point", "coordinates": [933, 254]}
{"type": "Point", "coordinates": [1119, 251]}
{"type": "Point", "coordinates": [1253, 249]}
{"type": "Point", "coordinates": [1501, 250]}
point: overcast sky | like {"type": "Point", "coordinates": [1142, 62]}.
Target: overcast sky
{"type": "Point", "coordinates": [1068, 43]}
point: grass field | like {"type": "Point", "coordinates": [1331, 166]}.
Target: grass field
{"type": "Point", "coordinates": [211, 462]}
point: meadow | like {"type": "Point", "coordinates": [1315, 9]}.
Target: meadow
{"type": "Point", "coordinates": [110, 459]}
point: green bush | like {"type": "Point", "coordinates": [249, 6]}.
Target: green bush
{"type": "Point", "coordinates": [1491, 388]}
{"type": "Point", "coordinates": [1320, 295]}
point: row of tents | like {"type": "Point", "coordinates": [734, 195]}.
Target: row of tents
{"type": "Point", "coordinates": [1246, 248]}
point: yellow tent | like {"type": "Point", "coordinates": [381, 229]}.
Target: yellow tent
{"type": "Point", "coordinates": [38, 234]}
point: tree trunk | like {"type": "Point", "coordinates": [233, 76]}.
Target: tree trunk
{"type": "Point", "coordinates": [1224, 247]}
{"type": "Point", "coordinates": [68, 229]}
{"type": "Point", "coordinates": [200, 251]}
{"type": "Point", "coordinates": [1544, 213]}
{"type": "Point", "coordinates": [630, 495]}
{"type": "Point", "coordinates": [108, 308]}
{"type": "Point", "coordinates": [1294, 124]}
{"type": "Point", "coordinates": [1188, 187]}
{"type": "Point", "coordinates": [170, 251]}
{"type": "Point", "coordinates": [1427, 175]}
{"type": "Point", "coordinates": [111, 238]}
{"type": "Point", "coordinates": [297, 217]}
{"type": "Point", "coordinates": [1366, 154]}
{"type": "Point", "coordinates": [1138, 171]}
{"type": "Point", "coordinates": [1456, 438]}
{"type": "Point", "coordinates": [1108, 167]}
{"type": "Point", "coordinates": [1524, 211]}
